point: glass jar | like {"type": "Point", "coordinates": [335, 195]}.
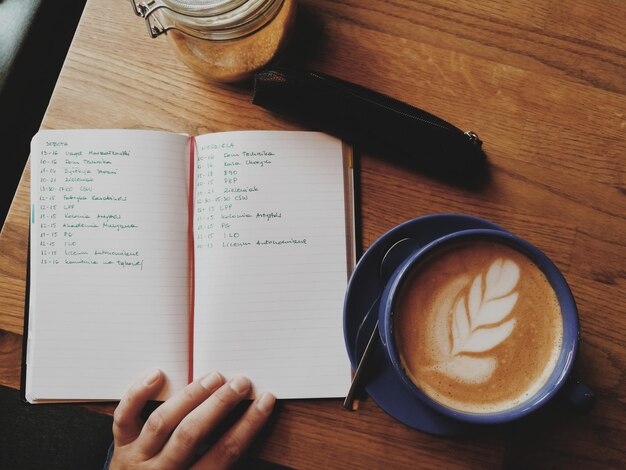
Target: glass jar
{"type": "Point", "coordinates": [223, 40]}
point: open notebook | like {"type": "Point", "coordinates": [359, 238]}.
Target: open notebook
{"type": "Point", "coordinates": [227, 251]}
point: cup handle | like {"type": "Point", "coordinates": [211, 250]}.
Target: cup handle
{"type": "Point", "coordinates": [578, 395]}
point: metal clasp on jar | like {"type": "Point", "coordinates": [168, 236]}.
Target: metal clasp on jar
{"type": "Point", "coordinates": [146, 9]}
{"type": "Point", "coordinates": [157, 22]}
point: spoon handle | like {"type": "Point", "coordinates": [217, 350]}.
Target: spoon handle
{"type": "Point", "coordinates": [355, 387]}
{"type": "Point", "coordinates": [393, 258]}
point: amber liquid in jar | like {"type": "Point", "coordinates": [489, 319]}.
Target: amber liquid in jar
{"type": "Point", "coordinates": [236, 59]}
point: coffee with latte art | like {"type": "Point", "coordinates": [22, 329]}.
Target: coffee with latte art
{"type": "Point", "coordinates": [478, 327]}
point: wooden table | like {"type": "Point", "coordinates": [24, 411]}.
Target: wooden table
{"type": "Point", "coordinates": [543, 83]}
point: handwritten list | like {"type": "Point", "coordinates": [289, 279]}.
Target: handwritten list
{"type": "Point", "coordinates": [110, 250]}
{"type": "Point", "coordinates": [109, 261]}
{"type": "Point", "coordinates": [74, 200]}
{"type": "Point", "coordinates": [271, 272]}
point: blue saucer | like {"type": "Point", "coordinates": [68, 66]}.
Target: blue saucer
{"type": "Point", "coordinates": [382, 383]}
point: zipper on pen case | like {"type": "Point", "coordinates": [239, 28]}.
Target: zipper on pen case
{"type": "Point", "coordinates": [391, 105]}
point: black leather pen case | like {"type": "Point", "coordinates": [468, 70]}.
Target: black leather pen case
{"type": "Point", "coordinates": [364, 118]}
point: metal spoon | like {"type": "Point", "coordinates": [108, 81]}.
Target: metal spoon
{"type": "Point", "coordinates": [394, 256]}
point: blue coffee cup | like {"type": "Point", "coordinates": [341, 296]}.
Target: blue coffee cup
{"type": "Point", "coordinates": [559, 382]}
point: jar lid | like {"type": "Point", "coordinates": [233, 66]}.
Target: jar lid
{"type": "Point", "coordinates": [206, 19]}
{"type": "Point", "coordinates": [228, 18]}
{"type": "Point", "coordinates": [203, 7]}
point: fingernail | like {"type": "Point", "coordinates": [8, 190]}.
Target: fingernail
{"type": "Point", "coordinates": [265, 402]}
{"type": "Point", "coordinates": [211, 380]}
{"type": "Point", "coordinates": [152, 377]}
{"type": "Point", "coordinates": [240, 384]}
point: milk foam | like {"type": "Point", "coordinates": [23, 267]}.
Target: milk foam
{"type": "Point", "coordinates": [479, 327]}
{"type": "Point", "coordinates": [472, 321]}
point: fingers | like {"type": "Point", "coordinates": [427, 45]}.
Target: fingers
{"type": "Point", "coordinates": [166, 418]}
{"type": "Point", "coordinates": [171, 435]}
{"type": "Point", "coordinates": [231, 445]}
{"type": "Point", "coordinates": [179, 450]}
{"type": "Point", "coordinates": [127, 421]}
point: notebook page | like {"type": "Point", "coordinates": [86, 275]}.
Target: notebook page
{"type": "Point", "coordinates": [109, 262]}
{"type": "Point", "coordinates": [270, 261]}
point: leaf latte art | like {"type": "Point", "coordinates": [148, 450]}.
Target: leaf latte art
{"type": "Point", "coordinates": [476, 321]}
{"type": "Point", "coordinates": [477, 326]}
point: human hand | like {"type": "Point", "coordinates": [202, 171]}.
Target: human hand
{"type": "Point", "coordinates": [173, 433]}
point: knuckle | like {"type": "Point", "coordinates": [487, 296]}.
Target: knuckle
{"type": "Point", "coordinates": [220, 399]}
{"type": "Point", "coordinates": [156, 425]}
{"type": "Point", "coordinates": [186, 437]}
{"type": "Point", "coordinates": [188, 394]}
{"type": "Point", "coordinates": [230, 450]}
{"type": "Point", "coordinates": [224, 397]}
{"type": "Point", "coordinates": [131, 395]}
{"type": "Point", "coordinates": [120, 418]}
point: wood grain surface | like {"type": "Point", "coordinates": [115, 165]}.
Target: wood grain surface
{"type": "Point", "coordinates": [542, 83]}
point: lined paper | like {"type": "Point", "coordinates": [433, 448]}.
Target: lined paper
{"type": "Point", "coordinates": [109, 262]}
{"type": "Point", "coordinates": [270, 261]}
